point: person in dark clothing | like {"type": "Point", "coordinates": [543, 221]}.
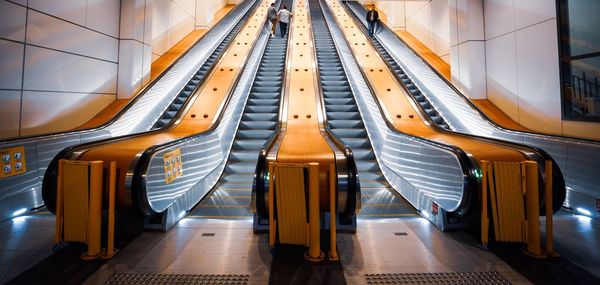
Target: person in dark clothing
{"type": "Point", "coordinates": [372, 19]}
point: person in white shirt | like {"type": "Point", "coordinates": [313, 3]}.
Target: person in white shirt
{"type": "Point", "coordinates": [284, 19]}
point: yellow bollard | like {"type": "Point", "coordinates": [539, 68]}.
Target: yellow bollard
{"type": "Point", "coordinates": [95, 212]}
{"type": "Point", "coordinates": [534, 247]}
{"type": "Point", "coordinates": [485, 223]}
{"type": "Point", "coordinates": [272, 227]}
{"type": "Point", "coordinates": [333, 253]}
{"type": "Point", "coordinates": [549, 212]}
{"type": "Point", "coordinates": [59, 203]}
{"type": "Point", "coordinates": [314, 253]}
{"type": "Point", "coordinates": [112, 182]}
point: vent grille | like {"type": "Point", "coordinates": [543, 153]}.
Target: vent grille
{"type": "Point", "coordinates": [176, 279]}
{"type": "Point", "coordinates": [489, 277]}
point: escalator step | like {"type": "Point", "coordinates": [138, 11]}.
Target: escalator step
{"type": "Point", "coordinates": [175, 107]}
{"type": "Point", "coordinates": [254, 134]}
{"type": "Point", "coordinates": [259, 116]}
{"type": "Point", "coordinates": [249, 143]}
{"type": "Point", "coordinates": [350, 133]}
{"type": "Point", "coordinates": [341, 108]}
{"type": "Point", "coordinates": [346, 124]}
{"type": "Point", "coordinates": [363, 154]}
{"type": "Point", "coordinates": [343, 116]}
{"type": "Point", "coordinates": [340, 101]}
{"type": "Point", "coordinates": [258, 125]}
{"type": "Point", "coordinates": [437, 119]}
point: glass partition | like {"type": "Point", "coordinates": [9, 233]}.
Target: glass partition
{"type": "Point", "coordinates": [579, 35]}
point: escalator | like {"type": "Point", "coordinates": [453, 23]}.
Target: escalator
{"type": "Point", "coordinates": [423, 102]}
{"type": "Point", "coordinates": [344, 120]}
{"type": "Point", "coordinates": [231, 196]}
{"type": "Point", "coordinates": [430, 166]}
{"type": "Point", "coordinates": [22, 191]}
{"type": "Point", "coordinates": [199, 137]}
{"type": "Point", "coordinates": [577, 160]}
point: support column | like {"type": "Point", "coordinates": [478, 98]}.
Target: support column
{"type": "Point", "coordinates": [135, 49]}
{"type": "Point", "coordinates": [395, 13]}
{"type": "Point", "coordinates": [467, 47]}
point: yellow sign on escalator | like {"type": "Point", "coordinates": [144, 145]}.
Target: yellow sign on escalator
{"type": "Point", "coordinates": [173, 165]}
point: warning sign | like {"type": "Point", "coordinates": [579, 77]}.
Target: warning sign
{"type": "Point", "coordinates": [173, 165]}
{"type": "Point", "coordinates": [13, 161]}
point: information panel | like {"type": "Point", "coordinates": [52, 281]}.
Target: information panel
{"type": "Point", "coordinates": [173, 165]}
{"type": "Point", "coordinates": [13, 161]}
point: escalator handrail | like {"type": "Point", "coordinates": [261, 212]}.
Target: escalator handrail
{"type": "Point", "coordinates": [139, 94]}
{"type": "Point", "coordinates": [465, 98]}
{"type": "Point", "coordinates": [140, 167]}
{"type": "Point", "coordinates": [271, 146]}
{"type": "Point", "coordinates": [525, 150]}
{"type": "Point", "coordinates": [347, 165]}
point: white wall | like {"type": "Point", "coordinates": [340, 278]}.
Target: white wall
{"type": "Point", "coordinates": [135, 46]}
{"type": "Point", "coordinates": [205, 11]}
{"type": "Point", "coordinates": [522, 62]}
{"type": "Point", "coordinates": [467, 47]}
{"type": "Point", "coordinates": [502, 50]}
{"type": "Point", "coordinates": [428, 22]}
{"type": "Point", "coordinates": [59, 63]}
{"type": "Point", "coordinates": [65, 61]}
{"type": "Point", "coordinates": [394, 11]}
{"type": "Point", "coordinates": [425, 20]}
{"type": "Point", "coordinates": [174, 19]}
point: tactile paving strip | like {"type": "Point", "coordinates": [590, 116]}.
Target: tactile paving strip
{"type": "Point", "coordinates": [472, 278]}
{"type": "Point", "coordinates": [176, 279]}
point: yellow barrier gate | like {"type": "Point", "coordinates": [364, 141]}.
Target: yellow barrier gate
{"type": "Point", "coordinates": [512, 188]}
{"type": "Point", "coordinates": [288, 212]}
{"type": "Point", "coordinates": [79, 206]}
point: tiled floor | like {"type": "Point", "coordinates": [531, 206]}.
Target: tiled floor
{"type": "Point", "coordinates": [24, 241]}
{"type": "Point", "coordinates": [374, 249]}
{"type": "Point", "coordinates": [577, 239]}
{"type": "Point", "coordinates": [404, 245]}
{"type": "Point", "coordinates": [190, 248]}
{"type": "Point", "coordinates": [377, 249]}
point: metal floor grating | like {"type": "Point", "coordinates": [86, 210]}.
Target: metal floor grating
{"type": "Point", "coordinates": [176, 279]}
{"type": "Point", "coordinates": [473, 278]}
